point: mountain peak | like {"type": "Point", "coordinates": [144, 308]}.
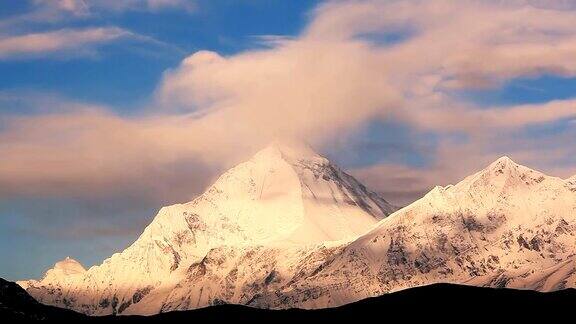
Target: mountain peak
{"type": "Point", "coordinates": [285, 196]}
{"type": "Point", "coordinates": [504, 172]}
{"type": "Point", "coordinates": [291, 151]}
{"type": "Point", "coordinates": [69, 266]}
{"type": "Point", "coordinates": [503, 163]}
{"type": "Point", "coordinates": [505, 166]}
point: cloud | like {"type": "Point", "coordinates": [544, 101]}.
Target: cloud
{"type": "Point", "coordinates": [332, 72]}
{"type": "Point", "coordinates": [297, 89]}
{"type": "Point", "coordinates": [74, 42]}
{"type": "Point", "coordinates": [86, 7]}
{"type": "Point", "coordinates": [468, 43]}
{"type": "Point", "coordinates": [76, 7]}
{"type": "Point", "coordinates": [93, 153]}
{"type": "Point", "coordinates": [41, 44]}
{"type": "Point", "coordinates": [142, 5]}
{"type": "Point", "coordinates": [341, 73]}
{"type": "Point", "coordinates": [455, 116]}
{"type": "Point", "coordinates": [48, 14]}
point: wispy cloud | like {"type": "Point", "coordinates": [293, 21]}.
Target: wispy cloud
{"type": "Point", "coordinates": [54, 14]}
{"type": "Point", "coordinates": [47, 43]}
{"type": "Point", "coordinates": [51, 26]}
{"type": "Point", "coordinates": [71, 42]}
{"type": "Point", "coordinates": [88, 7]}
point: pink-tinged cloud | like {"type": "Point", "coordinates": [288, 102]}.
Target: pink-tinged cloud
{"type": "Point", "coordinates": [94, 153]}
{"type": "Point", "coordinates": [310, 90]}
{"type": "Point", "coordinates": [86, 7]}
{"type": "Point", "coordinates": [57, 41]}
{"type": "Point", "coordinates": [214, 110]}
{"type": "Point", "coordinates": [461, 117]}
{"type": "Point", "coordinates": [331, 78]}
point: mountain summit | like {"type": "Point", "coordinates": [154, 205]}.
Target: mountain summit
{"type": "Point", "coordinates": [505, 172]}
{"type": "Point", "coordinates": [285, 195]}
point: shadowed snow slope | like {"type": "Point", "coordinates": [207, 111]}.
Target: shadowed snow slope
{"type": "Point", "coordinates": [286, 198]}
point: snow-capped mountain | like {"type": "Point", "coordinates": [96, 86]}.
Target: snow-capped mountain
{"type": "Point", "coordinates": [286, 199]}
{"type": "Point", "coordinates": [289, 229]}
{"type": "Point", "coordinates": [505, 226]}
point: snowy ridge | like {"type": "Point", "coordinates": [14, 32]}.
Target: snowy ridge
{"type": "Point", "coordinates": [287, 198]}
{"type": "Point", "coordinates": [504, 218]}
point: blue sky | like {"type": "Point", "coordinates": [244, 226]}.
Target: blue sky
{"type": "Point", "coordinates": [125, 75]}
{"type": "Point", "coordinates": [88, 89]}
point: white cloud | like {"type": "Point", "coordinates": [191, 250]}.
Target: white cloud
{"type": "Point", "coordinates": [40, 44]}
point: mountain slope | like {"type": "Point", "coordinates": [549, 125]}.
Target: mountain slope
{"type": "Point", "coordinates": [504, 221]}
{"type": "Point", "coordinates": [278, 232]}
{"type": "Point", "coordinates": [556, 277]}
{"type": "Point", "coordinates": [17, 305]}
{"type": "Point", "coordinates": [285, 196]}
{"type": "Point", "coordinates": [454, 234]}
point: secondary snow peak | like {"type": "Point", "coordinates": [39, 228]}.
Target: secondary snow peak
{"type": "Point", "coordinates": [69, 266]}
{"type": "Point", "coordinates": [502, 174]}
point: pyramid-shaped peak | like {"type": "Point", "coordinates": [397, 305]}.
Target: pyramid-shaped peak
{"type": "Point", "coordinates": [506, 168]}
{"type": "Point", "coordinates": [290, 151]}
{"type": "Point", "coordinates": [505, 165]}
{"type": "Point", "coordinates": [503, 171]}
{"type": "Point", "coordinates": [504, 161]}
{"type": "Point", "coordinates": [505, 158]}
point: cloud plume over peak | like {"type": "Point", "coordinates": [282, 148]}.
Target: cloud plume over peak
{"type": "Point", "coordinates": [355, 62]}
{"type": "Point", "coordinates": [298, 88]}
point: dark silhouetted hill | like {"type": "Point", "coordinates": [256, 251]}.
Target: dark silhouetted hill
{"type": "Point", "coordinates": [445, 302]}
